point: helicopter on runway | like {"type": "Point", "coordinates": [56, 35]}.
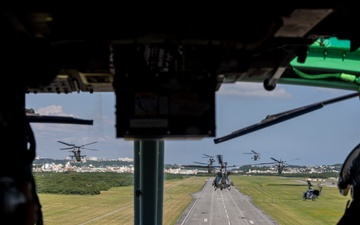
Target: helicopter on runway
{"type": "Point", "coordinates": [75, 149]}
{"type": "Point", "coordinates": [222, 180]}
{"type": "Point", "coordinates": [311, 193]}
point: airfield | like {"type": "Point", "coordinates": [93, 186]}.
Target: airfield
{"type": "Point", "coordinates": [192, 200]}
{"type": "Point", "coordinates": [223, 207]}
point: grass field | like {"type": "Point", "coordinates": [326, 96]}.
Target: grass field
{"type": "Point", "coordinates": [116, 206]}
{"type": "Point", "coordinates": [280, 197]}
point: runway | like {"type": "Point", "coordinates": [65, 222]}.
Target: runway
{"type": "Point", "coordinates": [224, 207]}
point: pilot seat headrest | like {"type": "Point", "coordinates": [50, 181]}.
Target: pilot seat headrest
{"type": "Point", "coordinates": [349, 176]}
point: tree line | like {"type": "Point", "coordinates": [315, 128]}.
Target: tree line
{"type": "Point", "coordinates": [71, 183]}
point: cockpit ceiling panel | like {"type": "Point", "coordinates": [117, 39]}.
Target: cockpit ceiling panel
{"type": "Point", "coordinates": [239, 44]}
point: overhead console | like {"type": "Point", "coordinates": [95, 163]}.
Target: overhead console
{"type": "Point", "coordinates": [162, 60]}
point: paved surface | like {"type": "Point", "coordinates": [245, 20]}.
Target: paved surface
{"type": "Point", "coordinates": [224, 207]}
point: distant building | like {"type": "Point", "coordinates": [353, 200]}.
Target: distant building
{"type": "Point", "coordinates": [126, 159]}
{"type": "Point", "coordinates": [93, 158]}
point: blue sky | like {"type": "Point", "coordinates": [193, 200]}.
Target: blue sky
{"type": "Point", "coordinates": [323, 137]}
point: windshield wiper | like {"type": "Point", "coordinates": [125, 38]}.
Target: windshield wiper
{"type": "Point", "coordinates": [280, 117]}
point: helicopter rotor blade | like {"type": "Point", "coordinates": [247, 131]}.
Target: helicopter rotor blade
{"type": "Point", "coordinates": [88, 144]}
{"type": "Point", "coordinates": [208, 156]}
{"type": "Point", "coordinates": [89, 149]}
{"type": "Point", "coordinates": [75, 147]}
{"type": "Point", "coordinates": [201, 163]}
{"type": "Point", "coordinates": [276, 160]}
{"type": "Point", "coordinates": [220, 159]}
{"type": "Point", "coordinates": [66, 148]}
{"type": "Point", "coordinates": [66, 143]}
{"type": "Point", "coordinates": [195, 166]}
{"type": "Point", "coordinates": [269, 163]}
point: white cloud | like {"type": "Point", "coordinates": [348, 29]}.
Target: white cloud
{"type": "Point", "coordinates": [53, 110]}
{"type": "Point", "coordinates": [248, 89]}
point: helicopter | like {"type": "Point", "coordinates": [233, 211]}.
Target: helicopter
{"type": "Point", "coordinates": [211, 158]}
{"type": "Point", "coordinates": [76, 150]}
{"type": "Point", "coordinates": [280, 164]}
{"type": "Point", "coordinates": [310, 193]}
{"type": "Point", "coordinates": [209, 166]}
{"type": "Point", "coordinates": [256, 155]}
{"type": "Point", "coordinates": [222, 180]}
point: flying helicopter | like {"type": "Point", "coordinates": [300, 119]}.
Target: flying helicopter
{"type": "Point", "coordinates": [211, 158]}
{"type": "Point", "coordinates": [280, 164]}
{"type": "Point", "coordinates": [311, 193]}
{"type": "Point", "coordinates": [209, 166]}
{"type": "Point", "coordinates": [76, 150]}
{"type": "Point", "coordinates": [222, 180]}
{"type": "Point", "coordinates": [256, 155]}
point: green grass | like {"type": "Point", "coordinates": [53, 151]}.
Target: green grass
{"type": "Point", "coordinates": [117, 203]}
{"type": "Point", "coordinates": [116, 206]}
{"type": "Point", "coordinates": [280, 197]}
